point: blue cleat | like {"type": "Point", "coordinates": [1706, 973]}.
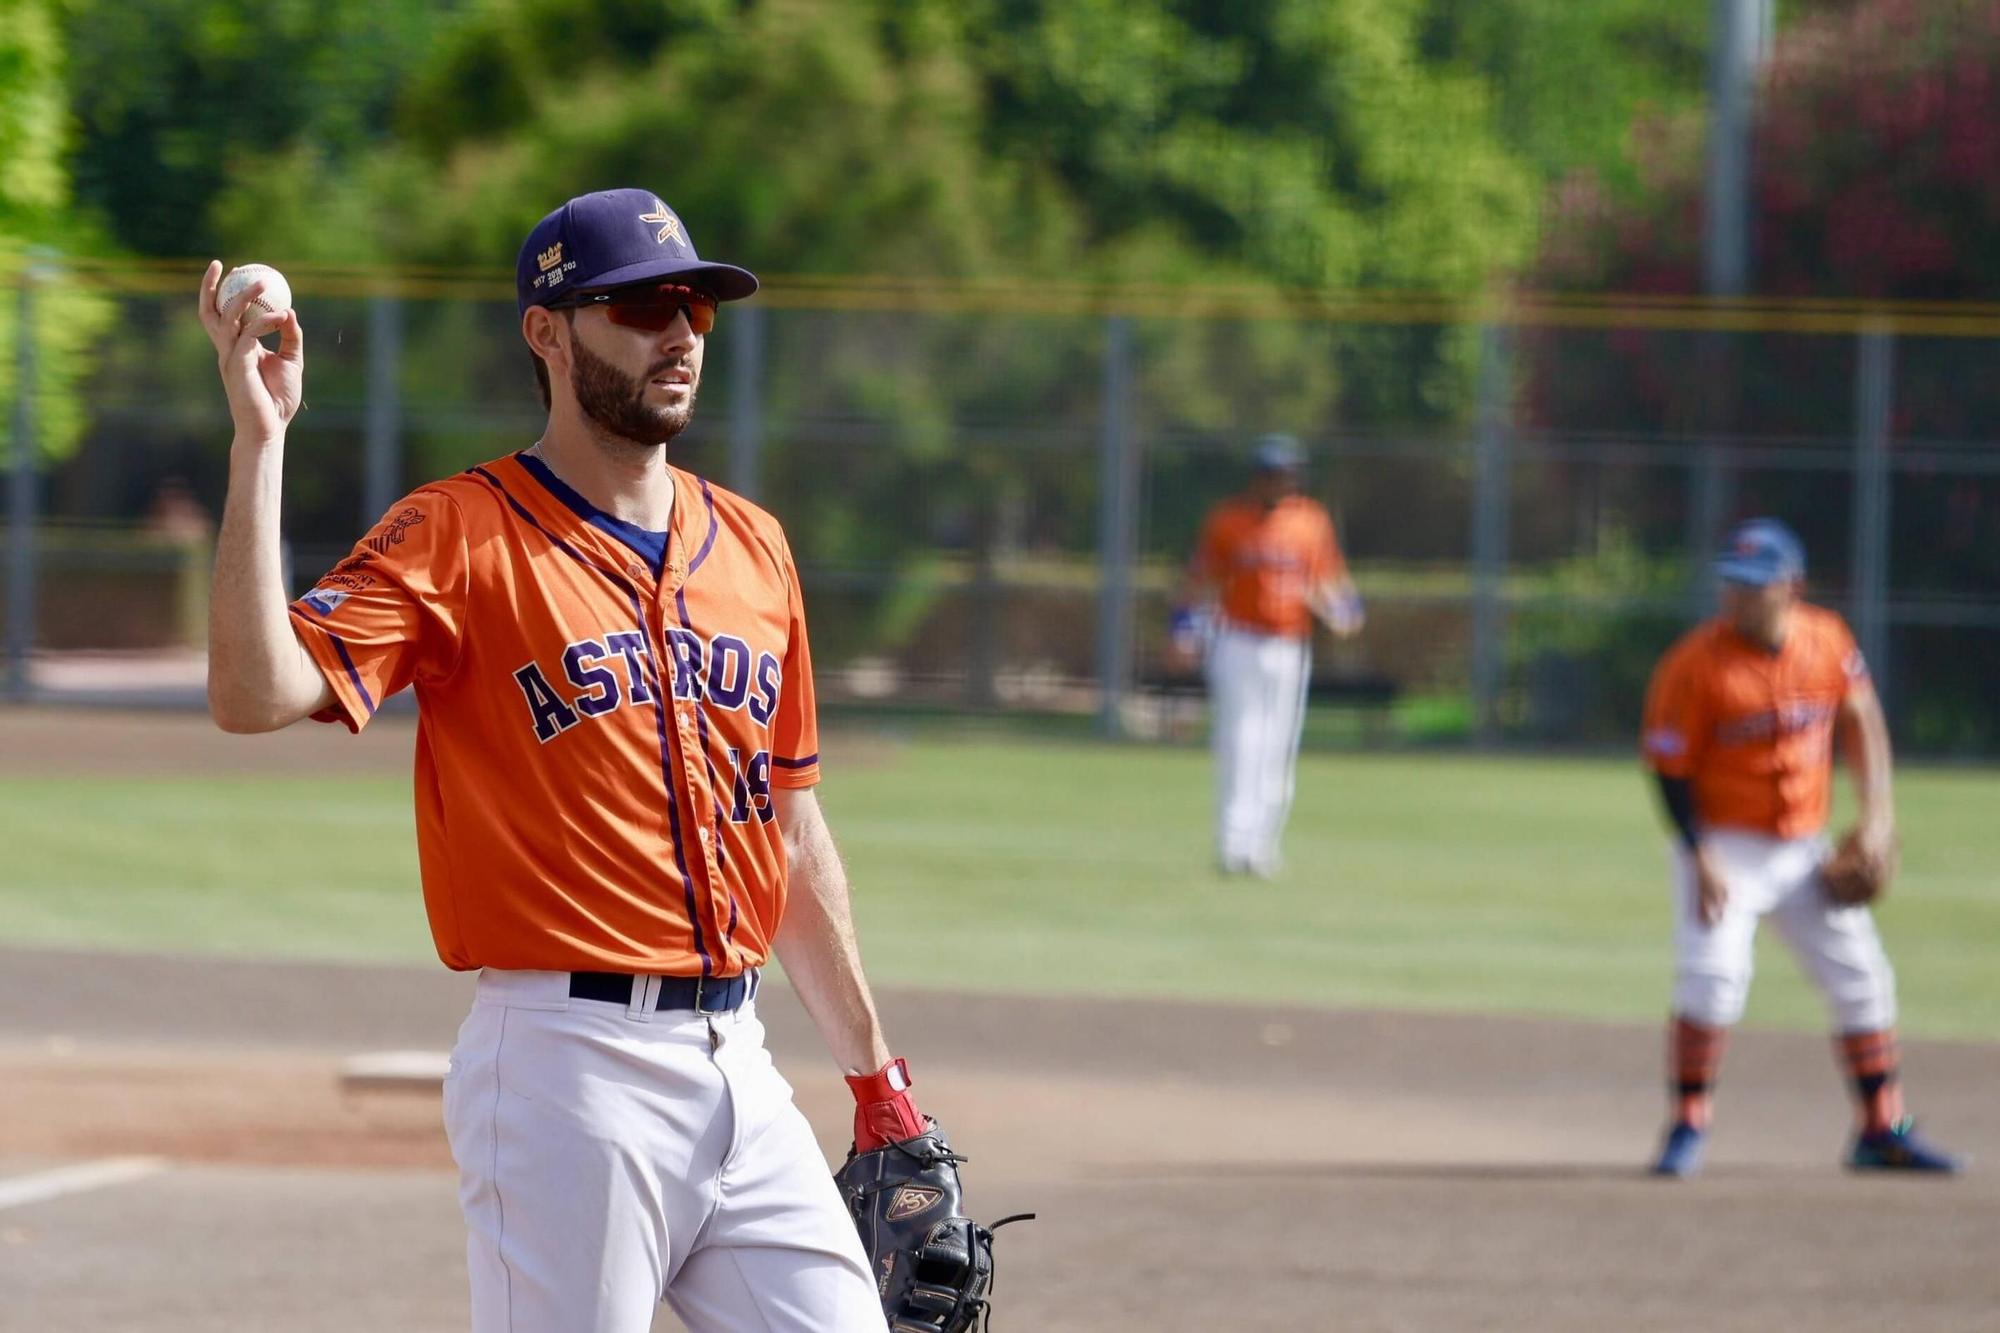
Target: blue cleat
{"type": "Point", "coordinates": [1680, 1155]}
{"type": "Point", "coordinates": [1898, 1148]}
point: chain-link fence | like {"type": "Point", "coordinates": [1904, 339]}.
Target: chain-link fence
{"type": "Point", "coordinates": [991, 489]}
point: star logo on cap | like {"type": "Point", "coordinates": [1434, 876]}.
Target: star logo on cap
{"type": "Point", "coordinates": [670, 226]}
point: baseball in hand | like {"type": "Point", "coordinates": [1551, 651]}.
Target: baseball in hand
{"type": "Point", "coordinates": [277, 293]}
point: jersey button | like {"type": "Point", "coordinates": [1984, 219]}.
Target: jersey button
{"type": "Point", "coordinates": [636, 570]}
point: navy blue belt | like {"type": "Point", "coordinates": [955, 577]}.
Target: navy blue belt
{"type": "Point", "coordinates": [704, 995]}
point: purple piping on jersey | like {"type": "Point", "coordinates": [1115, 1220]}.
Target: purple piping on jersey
{"type": "Point", "coordinates": [299, 609]}
{"type": "Point", "coordinates": [806, 762]}
{"type": "Point", "coordinates": [670, 754]}
{"type": "Point", "coordinates": [701, 729]}
{"type": "Point", "coordinates": [708, 542]}
{"type": "Point", "coordinates": [669, 757]}
{"type": "Point", "coordinates": [352, 674]}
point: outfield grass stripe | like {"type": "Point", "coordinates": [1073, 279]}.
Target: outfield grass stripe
{"type": "Point", "coordinates": [1441, 882]}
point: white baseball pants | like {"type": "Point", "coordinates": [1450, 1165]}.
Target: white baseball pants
{"type": "Point", "coordinates": [1776, 877]}
{"type": "Point", "coordinates": [611, 1157]}
{"type": "Point", "coordinates": [1257, 699]}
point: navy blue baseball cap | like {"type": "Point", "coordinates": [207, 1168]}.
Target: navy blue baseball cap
{"type": "Point", "coordinates": [1759, 552]}
{"type": "Point", "coordinates": [1278, 453]}
{"type": "Point", "coordinates": [614, 238]}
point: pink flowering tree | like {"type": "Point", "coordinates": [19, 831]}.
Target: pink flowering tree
{"type": "Point", "coordinates": [1876, 177]}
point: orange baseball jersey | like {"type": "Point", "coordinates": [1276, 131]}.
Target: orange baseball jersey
{"type": "Point", "coordinates": [1752, 729]}
{"type": "Point", "coordinates": [602, 716]}
{"type": "Point", "coordinates": [1268, 562]}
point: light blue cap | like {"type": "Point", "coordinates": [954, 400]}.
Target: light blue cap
{"type": "Point", "coordinates": [1759, 552]}
{"type": "Point", "coordinates": [1278, 453]}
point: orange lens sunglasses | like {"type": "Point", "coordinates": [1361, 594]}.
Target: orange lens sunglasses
{"type": "Point", "coordinates": [654, 308]}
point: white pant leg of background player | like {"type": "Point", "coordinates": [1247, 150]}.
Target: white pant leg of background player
{"type": "Point", "coordinates": [1287, 666]}
{"type": "Point", "coordinates": [1257, 687]}
{"type": "Point", "coordinates": [1236, 725]}
{"type": "Point", "coordinates": [1838, 947]}
{"type": "Point", "coordinates": [598, 1148]}
{"type": "Point", "coordinates": [1713, 964]}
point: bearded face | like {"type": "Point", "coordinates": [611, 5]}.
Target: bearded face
{"type": "Point", "coordinates": [616, 401]}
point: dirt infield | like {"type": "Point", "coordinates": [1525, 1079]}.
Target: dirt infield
{"type": "Point", "coordinates": [46, 741]}
{"type": "Point", "coordinates": [1195, 1167]}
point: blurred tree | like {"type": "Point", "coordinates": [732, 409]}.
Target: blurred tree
{"type": "Point", "coordinates": [1152, 139]}
{"type": "Point", "coordinates": [1270, 145]}
{"type": "Point", "coordinates": [1310, 144]}
{"type": "Point", "coordinates": [36, 224]}
{"type": "Point", "coordinates": [1572, 80]}
{"type": "Point", "coordinates": [174, 99]}
{"type": "Point", "coordinates": [33, 114]}
{"type": "Point", "coordinates": [1877, 150]}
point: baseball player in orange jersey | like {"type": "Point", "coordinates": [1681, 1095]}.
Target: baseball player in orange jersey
{"type": "Point", "coordinates": [616, 822]}
{"type": "Point", "coordinates": [1740, 724]}
{"type": "Point", "coordinates": [1266, 564]}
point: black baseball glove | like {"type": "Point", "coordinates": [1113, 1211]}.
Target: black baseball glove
{"type": "Point", "coordinates": [933, 1266]}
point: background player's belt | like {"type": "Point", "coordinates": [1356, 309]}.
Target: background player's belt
{"type": "Point", "coordinates": [705, 995]}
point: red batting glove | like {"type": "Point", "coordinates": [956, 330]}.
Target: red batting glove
{"type": "Point", "coordinates": [883, 1111]}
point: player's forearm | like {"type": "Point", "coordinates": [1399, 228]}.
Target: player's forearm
{"type": "Point", "coordinates": [1677, 799]}
{"type": "Point", "coordinates": [1870, 761]}
{"type": "Point", "coordinates": [1337, 603]}
{"type": "Point", "coordinates": [817, 945]}
{"type": "Point", "coordinates": [260, 677]}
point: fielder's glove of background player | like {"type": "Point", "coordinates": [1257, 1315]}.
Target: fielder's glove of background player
{"type": "Point", "coordinates": [1854, 874]}
{"type": "Point", "coordinates": [932, 1265]}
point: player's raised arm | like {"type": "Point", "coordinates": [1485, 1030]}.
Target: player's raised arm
{"type": "Point", "coordinates": [260, 677]}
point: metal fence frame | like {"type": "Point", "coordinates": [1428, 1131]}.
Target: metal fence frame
{"type": "Point", "coordinates": [1493, 446]}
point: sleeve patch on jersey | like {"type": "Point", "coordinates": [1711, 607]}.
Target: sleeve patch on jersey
{"type": "Point", "coordinates": [390, 531]}
{"type": "Point", "coordinates": [324, 601]}
{"type": "Point", "coordinates": [1666, 743]}
{"type": "Point", "coordinates": [1856, 665]}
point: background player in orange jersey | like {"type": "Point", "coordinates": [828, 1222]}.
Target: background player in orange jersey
{"type": "Point", "coordinates": [615, 816]}
{"type": "Point", "coordinates": [1267, 562]}
{"type": "Point", "coordinates": [1740, 725]}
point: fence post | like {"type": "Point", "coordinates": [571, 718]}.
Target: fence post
{"type": "Point", "coordinates": [1492, 494]}
{"type": "Point", "coordinates": [1868, 576]}
{"type": "Point", "coordinates": [1117, 526]}
{"type": "Point", "coordinates": [20, 632]}
{"type": "Point", "coordinates": [382, 459]}
{"type": "Point", "coordinates": [746, 405]}
{"type": "Point", "coordinates": [1740, 33]}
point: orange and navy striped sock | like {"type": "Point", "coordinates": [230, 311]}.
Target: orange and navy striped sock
{"type": "Point", "coordinates": [1694, 1053]}
{"type": "Point", "coordinates": [1872, 1061]}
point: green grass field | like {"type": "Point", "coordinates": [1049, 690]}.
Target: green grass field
{"type": "Point", "coordinates": [1454, 882]}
